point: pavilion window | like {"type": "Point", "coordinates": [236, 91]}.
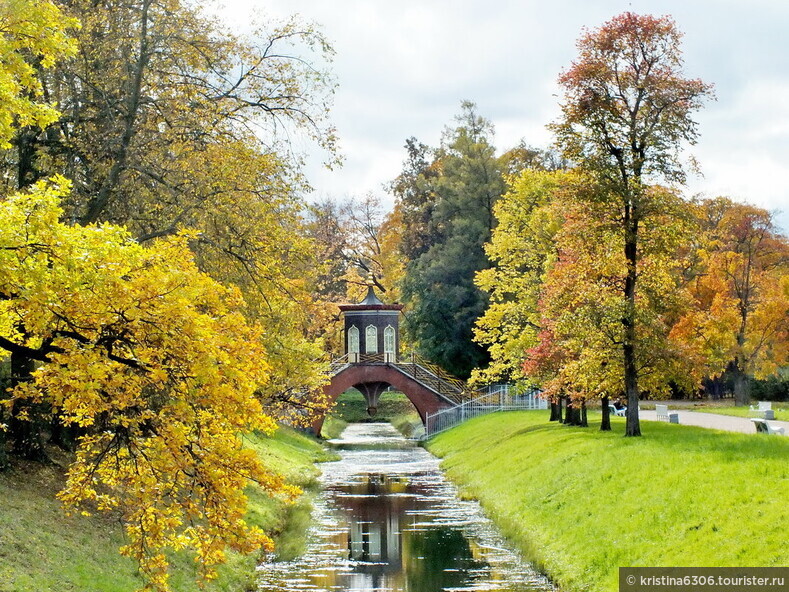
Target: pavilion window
{"type": "Point", "coordinates": [353, 340]}
{"type": "Point", "coordinates": [371, 340]}
{"type": "Point", "coordinates": [389, 340]}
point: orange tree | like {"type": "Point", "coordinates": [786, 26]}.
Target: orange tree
{"type": "Point", "coordinates": [581, 298]}
{"type": "Point", "coordinates": [738, 290]}
{"type": "Point", "coordinates": [626, 113]}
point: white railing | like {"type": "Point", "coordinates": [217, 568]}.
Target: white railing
{"type": "Point", "coordinates": [497, 397]}
{"type": "Point", "coordinates": [340, 364]}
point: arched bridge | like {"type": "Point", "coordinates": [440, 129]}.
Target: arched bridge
{"type": "Point", "coordinates": [428, 387]}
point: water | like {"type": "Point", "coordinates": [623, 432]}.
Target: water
{"type": "Point", "coordinates": [387, 520]}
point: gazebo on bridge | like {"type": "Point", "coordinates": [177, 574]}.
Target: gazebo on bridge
{"type": "Point", "coordinates": [372, 362]}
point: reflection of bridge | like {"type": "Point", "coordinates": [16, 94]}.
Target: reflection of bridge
{"type": "Point", "coordinates": [372, 364]}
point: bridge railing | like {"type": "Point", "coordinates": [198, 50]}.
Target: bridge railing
{"type": "Point", "coordinates": [437, 371]}
{"type": "Point", "coordinates": [499, 397]}
{"type": "Point", "coordinates": [338, 364]}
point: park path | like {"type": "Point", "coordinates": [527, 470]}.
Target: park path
{"type": "Point", "coordinates": [726, 423]}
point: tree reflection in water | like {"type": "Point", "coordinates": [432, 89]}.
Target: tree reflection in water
{"type": "Point", "coordinates": [387, 520]}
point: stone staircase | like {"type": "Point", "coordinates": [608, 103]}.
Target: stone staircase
{"type": "Point", "coordinates": [463, 402]}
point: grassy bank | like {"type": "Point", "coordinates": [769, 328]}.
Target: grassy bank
{"type": "Point", "coordinates": [42, 550]}
{"type": "Point", "coordinates": [351, 407]}
{"type": "Point", "coordinates": [781, 411]}
{"type": "Point", "coordinates": [582, 503]}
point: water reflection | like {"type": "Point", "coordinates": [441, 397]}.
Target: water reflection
{"type": "Point", "coordinates": [387, 520]}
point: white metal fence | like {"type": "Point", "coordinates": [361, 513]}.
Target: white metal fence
{"type": "Point", "coordinates": [496, 397]}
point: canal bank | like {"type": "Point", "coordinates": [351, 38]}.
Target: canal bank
{"type": "Point", "coordinates": [387, 519]}
{"type": "Point", "coordinates": [581, 503]}
{"type": "Point", "coordinates": [43, 550]}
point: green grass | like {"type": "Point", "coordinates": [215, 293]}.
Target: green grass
{"type": "Point", "coordinates": [42, 550]}
{"type": "Point", "coordinates": [351, 407]}
{"type": "Point", "coordinates": [581, 503]}
{"type": "Point", "coordinates": [781, 411]}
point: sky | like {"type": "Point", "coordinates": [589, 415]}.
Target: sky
{"type": "Point", "coordinates": [403, 68]}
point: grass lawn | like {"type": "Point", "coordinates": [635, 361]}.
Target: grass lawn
{"type": "Point", "coordinates": [42, 550]}
{"type": "Point", "coordinates": [581, 503]}
{"type": "Point", "coordinates": [351, 407]}
{"type": "Point", "coordinates": [781, 411]}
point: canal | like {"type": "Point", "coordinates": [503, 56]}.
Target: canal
{"type": "Point", "coordinates": [387, 520]}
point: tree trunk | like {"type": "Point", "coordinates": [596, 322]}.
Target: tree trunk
{"type": "Point", "coordinates": [559, 410]}
{"type": "Point", "coordinates": [26, 156]}
{"type": "Point", "coordinates": [742, 386]}
{"type": "Point", "coordinates": [3, 443]}
{"type": "Point", "coordinates": [99, 202]}
{"type": "Point", "coordinates": [25, 424]}
{"type": "Point", "coordinates": [64, 436]}
{"type": "Point", "coordinates": [583, 421]}
{"type": "Point", "coordinates": [569, 413]}
{"type": "Point", "coordinates": [573, 415]}
{"type": "Point", "coordinates": [605, 424]}
{"type": "Point", "coordinates": [556, 410]}
{"type": "Point", "coordinates": [633, 426]}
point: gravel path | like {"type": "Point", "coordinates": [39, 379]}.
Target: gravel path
{"type": "Point", "coordinates": [726, 423]}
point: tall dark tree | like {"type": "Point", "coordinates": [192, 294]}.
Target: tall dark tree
{"type": "Point", "coordinates": [451, 201]}
{"type": "Point", "coordinates": [414, 190]}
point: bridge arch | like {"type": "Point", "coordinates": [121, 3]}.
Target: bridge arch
{"type": "Point", "coordinates": [371, 380]}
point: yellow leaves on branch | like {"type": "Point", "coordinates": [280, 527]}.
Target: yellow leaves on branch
{"type": "Point", "coordinates": [28, 28]}
{"type": "Point", "coordinates": [155, 364]}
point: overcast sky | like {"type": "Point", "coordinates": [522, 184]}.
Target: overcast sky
{"type": "Point", "coordinates": [404, 67]}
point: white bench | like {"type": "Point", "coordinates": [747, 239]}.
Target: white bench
{"type": "Point", "coordinates": [614, 411]}
{"type": "Point", "coordinates": [664, 415]}
{"type": "Point", "coordinates": [762, 427]}
{"type": "Point", "coordinates": [763, 409]}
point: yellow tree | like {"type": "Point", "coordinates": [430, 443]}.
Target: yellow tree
{"type": "Point", "coordinates": [172, 121]}
{"type": "Point", "coordinates": [521, 251]}
{"type": "Point", "coordinates": [34, 37]}
{"type": "Point", "coordinates": [34, 34]}
{"type": "Point", "coordinates": [155, 366]}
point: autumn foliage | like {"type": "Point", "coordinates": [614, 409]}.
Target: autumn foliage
{"type": "Point", "coordinates": [153, 364]}
{"type": "Point", "coordinates": [124, 348]}
{"type": "Point", "coordinates": [607, 282]}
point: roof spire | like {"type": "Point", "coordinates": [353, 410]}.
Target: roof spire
{"type": "Point", "coordinates": [371, 298]}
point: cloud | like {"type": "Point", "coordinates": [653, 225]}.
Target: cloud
{"type": "Point", "coordinates": [404, 67]}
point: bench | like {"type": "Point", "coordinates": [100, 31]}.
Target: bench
{"type": "Point", "coordinates": [762, 427]}
{"type": "Point", "coordinates": [614, 411]}
{"type": "Point", "coordinates": [664, 415]}
{"type": "Point", "coordinates": [764, 409]}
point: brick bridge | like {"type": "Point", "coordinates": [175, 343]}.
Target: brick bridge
{"type": "Point", "coordinates": [428, 387]}
{"type": "Point", "coordinates": [372, 363]}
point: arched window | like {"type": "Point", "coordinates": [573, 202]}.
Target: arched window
{"type": "Point", "coordinates": [389, 340]}
{"type": "Point", "coordinates": [353, 340]}
{"type": "Point", "coordinates": [371, 340]}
